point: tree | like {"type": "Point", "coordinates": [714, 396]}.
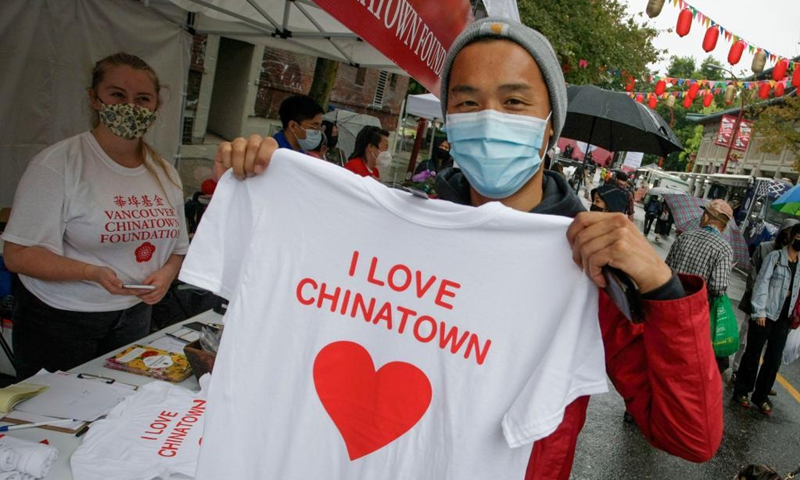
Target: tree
{"type": "Point", "coordinates": [681, 67]}
{"type": "Point", "coordinates": [598, 31]}
{"type": "Point", "coordinates": [324, 78]}
{"type": "Point", "coordinates": [779, 125]}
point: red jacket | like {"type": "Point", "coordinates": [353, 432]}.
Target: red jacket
{"type": "Point", "coordinates": [666, 372]}
{"type": "Point", "coordinates": [359, 166]}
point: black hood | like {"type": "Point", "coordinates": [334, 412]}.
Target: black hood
{"type": "Point", "coordinates": [557, 199]}
{"type": "Point", "coordinates": [616, 199]}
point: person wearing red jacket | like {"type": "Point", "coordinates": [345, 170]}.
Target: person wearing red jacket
{"type": "Point", "coordinates": [504, 98]}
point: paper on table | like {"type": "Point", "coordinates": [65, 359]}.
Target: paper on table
{"type": "Point", "coordinates": [73, 397]}
{"type": "Point", "coordinates": [169, 344]}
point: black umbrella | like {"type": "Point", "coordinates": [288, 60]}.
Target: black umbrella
{"type": "Point", "coordinates": [616, 122]}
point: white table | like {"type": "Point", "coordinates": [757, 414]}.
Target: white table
{"type": "Point", "coordinates": [68, 442]}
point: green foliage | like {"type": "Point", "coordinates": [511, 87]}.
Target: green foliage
{"type": "Point", "coordinates": [416, 88]}
{"type": "Point", "coordinates": [681, 67]}
{"type": "Point", "coordinates": [599, 31]}
{"type": "Point", "coordinates": [779, 125]}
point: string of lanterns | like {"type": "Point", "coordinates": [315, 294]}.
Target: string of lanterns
{"type": "Point", "coordinates": [713, 32]}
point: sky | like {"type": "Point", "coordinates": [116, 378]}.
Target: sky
{"type": "Point", "coordinates": [770, 24]}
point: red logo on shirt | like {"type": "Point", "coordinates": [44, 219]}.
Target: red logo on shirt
{"type": "Point", "coordinates": [369, 408]}
{"type": "Point", "coordinates": [145, 252]}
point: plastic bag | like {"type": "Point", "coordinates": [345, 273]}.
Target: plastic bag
{"type": "Point", "coordinates": [791, 351]}
{"type": "Point", "coordinates": [724, 330]}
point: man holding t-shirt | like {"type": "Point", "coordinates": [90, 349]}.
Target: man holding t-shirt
{"type": "Point", "coordinates": [501, 73]}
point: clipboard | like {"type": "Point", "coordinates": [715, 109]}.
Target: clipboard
{"type": "Point", "coordinates": [19, 418]}
{"type": "Point", "coordinates": [81, 396]}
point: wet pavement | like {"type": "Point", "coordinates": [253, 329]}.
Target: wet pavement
{"type": "Point", "coordinates": [609, 448]}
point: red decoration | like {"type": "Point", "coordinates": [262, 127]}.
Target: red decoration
{"type": "Point", "coordinates": [707, 99]}
{"type": "Point", "coordinates": [687, 101]}
{"type": "Point", "coordinates": [710, 40]}
{"type": "Point", "coordinates": [780, 69]}
{"type": "Point", "coordinates": [796, 76]}
{"type": "Point", "coordinates": [736, 52]}
{"type": "Point", "coordinates": [684, 22]}
{"type": "Point", "coordinates": [652, 102]}
{"type": "Point", "coordinates": [208, 187]}
{"type": "Point", "coordinates": [661, 85]}
{"type": "Point", "coordinates": [640, 97]}
{"type": "Point", "coordinates": [763, 90]}
{"type": "Point", "coordinates": [631, 84]}
{"type": "Point", "coordinates": [779, 88]}
{"type": "Point", "coordinates": [693, 90]}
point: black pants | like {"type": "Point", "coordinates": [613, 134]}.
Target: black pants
{"type": "Point", "coordinates": [774, 334]}
{"type": "Point", "coordinates": [648, 222]}
{"type": "Point", "coordinates": [46, 337]}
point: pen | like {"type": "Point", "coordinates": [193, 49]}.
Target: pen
{"type": "Point", "coordinates": [91, 376]}
{"type": "Point", "coordinates": [8, 428]}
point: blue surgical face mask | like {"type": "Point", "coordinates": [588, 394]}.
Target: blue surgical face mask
{"type": "Point", "coordinates": [313, 137]}
{"type": "Point", "coordinates": [498, 152]}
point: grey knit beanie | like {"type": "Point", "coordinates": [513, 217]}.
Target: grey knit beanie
{"type": "Point", "coordinates": [529, 39]}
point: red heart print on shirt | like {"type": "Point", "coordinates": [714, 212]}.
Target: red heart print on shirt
{"type": "Point", "coordinates": [370, 408]}
{"type": "Point", "coordinates": [145, 252]}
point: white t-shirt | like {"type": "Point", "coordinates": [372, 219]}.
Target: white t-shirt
{"type": "Point", "coordinates": [481, 329]}
{"type": "Point", "coordinates": [77, 202]}
{"type": "Point", "coordinates": [154, 433]}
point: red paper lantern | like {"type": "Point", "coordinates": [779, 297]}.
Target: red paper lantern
{"type": "Point", "coordinates": [631, 84]}
{"type": "Point", "coordinates": [687, 101]}
{"type": "Point", "coordinates": [661, 85]}
{"type": "Point", "coordinates": [652, 102]}
{"type": "Point", "coordinates": [693, 90]}
{"type": "Point", "coordinates": [640, 98]}
{"type": "Point", "coordinates": [779, 88]}
{"type": "Point", "coordinates": [736, 52]}
{"type": "Point", "coordinates": [796, 76]}
{"type": "Point", "coordinates": [763, 90]}
{"type": "Point", "coordinates": [780, 69]}
{"type": "Point", "coordinates": [684, 22]}
{"type": "Point", "coordinates": [710, 40]}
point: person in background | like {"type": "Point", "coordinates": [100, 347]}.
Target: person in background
{"type": "Point", "coordinates": [502, 73]}
{"type": "Point", "coordinates": [774, 296]}
{"type": "Point", "coordinates": [440, 159]}
{"type": "Point", "coordinates": [756, 261]}
{"type": "Point", "coordinates": [663, 222]}
{"type": "Point", "coordinates": [651, 210]}
{"type": "Point", "coordinates": [624, 185]}
{"type": "Point", "coordinates": [301, 119]}
{"type": "Point", "coordinates": [70, 238]}
{"type": "Point", "coordinates": [371, 150]}
{"type": "Point", "coordinates": [608, 198]}
{"type": "Point", "coordinates": [707, 254]}
{"type": "Point", "coordinates": [334, 153]}
{"type": "Point", "coordinates": [558, 168]}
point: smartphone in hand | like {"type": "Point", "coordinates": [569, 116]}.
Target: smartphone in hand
{"type": "Point", "coordinates": [625, 293]}
{"type": "Point", "coordinates": [138, 286]}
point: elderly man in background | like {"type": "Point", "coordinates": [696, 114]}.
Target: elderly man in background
{"type": "Point", "coordinates": [707, 254]}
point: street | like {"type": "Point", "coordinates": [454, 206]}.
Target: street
{"type": "Point", "coordinates": [609, 448]}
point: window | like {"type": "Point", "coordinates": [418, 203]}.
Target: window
{"type": "Point", "coordinates": [360, 75]}
{"type": "Point", "coordinates": [380, 89]}
{"type": "Point", "coordinates": [393, 82]}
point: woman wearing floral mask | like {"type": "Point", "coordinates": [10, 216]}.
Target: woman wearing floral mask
{"type": "Point", "coordinates": [371, 151]}
{"type": "Point", "coordinates": [92, 214]}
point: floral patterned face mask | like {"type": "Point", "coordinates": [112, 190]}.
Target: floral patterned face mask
{"type": "Point", "coordinates": [126, 120]}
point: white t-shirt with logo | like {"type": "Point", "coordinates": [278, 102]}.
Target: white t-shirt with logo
{"type": "Point", "coordinates": [77, 202]}
{"type": "Point", "coordinates": [154, 433]}
{"type": "Point", "coordinates": [372, 334]}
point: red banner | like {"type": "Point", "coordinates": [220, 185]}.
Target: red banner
{"type": "Point", "coordinates": [414, 34]}
{"type": "Point", "coordinates": [726, 129]}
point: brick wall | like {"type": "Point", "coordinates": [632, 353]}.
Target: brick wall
{"type": "Point", "coordinates": [285, 74]}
